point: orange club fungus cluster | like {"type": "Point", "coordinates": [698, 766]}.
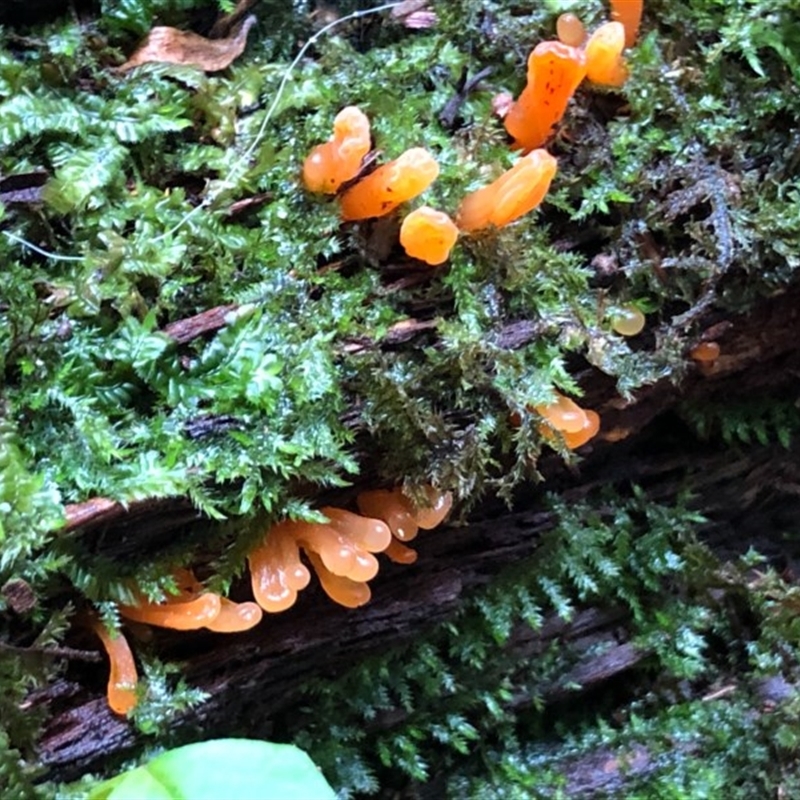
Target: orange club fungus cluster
{"type": "Point", "coordinates": [341, 552]}
{"type": "Point", "coordinates": [556, 69]}
{"type": "Point", "coordinates": [575, 424]}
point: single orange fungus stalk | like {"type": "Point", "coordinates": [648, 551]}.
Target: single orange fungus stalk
{"type": "Point", "coordinates": [428, 235]}
{"type": "Point", "coordinates": [629, 13]}
{"type": "Point", "coordinates": [382, 191]}
{"type": "Point", "coordinates": [604, 62]}
{"type": "Point", "coordinates": [399, 553]}
{"type": "Point", "coordinates": [330, 164]}
{"type": "Point", "coordinates": [554, 72]}
{"type": "Point", "coordinates": [570, 30]}
{"type": "Point", "coordinates": [439, 505]}
{"type": "Point", "coordinates": [513, 194]}
{"type": "Point", "coordinates": [181, 615]}
{"type": "Point", "coordinates": [564, 414]}
{"type": "Point", "coordinates": [122, 678]}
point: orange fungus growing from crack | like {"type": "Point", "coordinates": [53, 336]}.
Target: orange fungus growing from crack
{"type": "Point", "coordinates": [516, 192]}
{"type": "Point", "coordinates": [428, 235]}
{"type": "Point", "coordinates": [122, 678]}
{"type": "Point", "coordinates": [387, 187]}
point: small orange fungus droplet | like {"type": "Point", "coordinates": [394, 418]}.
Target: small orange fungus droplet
{"type": "Point", "coordinates": [428, 235]}
{"type": "Point", "coordinates": [516, 192]}
{"type": "Point", "coordinates": [180, 615]}
{"type": "Point", "coordinates": [382, 191]}
{"type": "Point", "coordinates": [554, 72]}
{"type": "Point", "coordinates": [570, 30]}
{"type": "Point", "coordinates": [330, 164]}
{"type": "Point", "coordinates": [122, 678]}
{"type": "Point", "coordinates": [627, 320]}
{"type": "Point", "coordinates": [629, 13]}
{"type": "Point", "coordinates": [705, 352]}
{"type": "Point", "coordinates": [604, 62]}
{"type": "Point", "coordinates": [369, 534]}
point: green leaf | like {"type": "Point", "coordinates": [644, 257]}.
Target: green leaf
{"type": "Point", "coordinates": [236, 769]}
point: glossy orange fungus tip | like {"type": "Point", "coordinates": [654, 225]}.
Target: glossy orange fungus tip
{"type": "Point", "coordinates": [705, 352]}
{"type": "Point", "coordinates": [387, 187]}
{"type": "Point", "coordinates": [428, 235]}
{"type": "Point", "coordinates": [576, 425]}
{"type": "Point", "coordinates": [513, 194]}
{"type": "Point", "coordinates": [604, 62]}
{"type": "Point", "coordinates": [122, 677]}
{"type": "Point", "coordinates": [194, 608]}
{"type": "Point", "coordinates": [554, 72]}
{"type": "Point", "coordinates": [341, 550]}
{"type": "Point", "coordinates": [629, 13]}
{"type": "Point", "coordinates": [627, 320]}
{"type": "Point", "coordinates": [338, 160]}
{"type": "Point", "coordinates": [570, 30]}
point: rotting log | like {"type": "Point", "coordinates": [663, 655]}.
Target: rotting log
{"type": "Point", "coordinates": [260, 673]}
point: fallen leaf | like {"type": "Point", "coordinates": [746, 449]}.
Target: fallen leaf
{"type": "Point", "coordinates": [184, 47]}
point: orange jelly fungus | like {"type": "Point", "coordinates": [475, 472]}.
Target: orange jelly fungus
{"type": "Point", "coordinates": [394, 508]}
{"type": "Point", "coordinates": [330, 164]}
{"type": "Point", "coordinates": [342, 590]}
{"type": "Point", "coordinates": [604, 62]}
{"type": "Point", "coordinates": [570, 30]}
{"type": "Point", "coordinates": [428, 235]}
{"type": "Point", "coordinates": [235, 617]}
{"type": "Point", "coordinates": [276, 572]}
{"type": "Point", "coordinates": [516, 192]}
{"type": "Point", "coordinates": [399, 553]}
{"type": "Point", "coordinates": [390, 185]}
{"type": "Point", "coordinates": [181, 614]}
{"type": "Point", "coordinates": [554, 72]}
{"type": "Point", "coordinates": [629, 13]}
{"type": "Point", "coordinates": [627, 320]}
{"type": "Point", "coordinates": [439, 505]}
{"type": "Point", "coordinates": [705, 352]}
{"type": "Point", "coordinates": [590, 429]}
{"type": "Point", "coordinates": [575, 424]}
{"type": "Point", "coordinates": [122, 678]}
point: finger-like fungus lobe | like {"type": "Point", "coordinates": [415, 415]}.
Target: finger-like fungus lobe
{"type": "Point", "coordinates": [629, 13]}
{"type": "Point", "coordinates": [516, 192]}
{"type": "Point", "coordinates": [428, 235]}
{"type": "Point", "coordinates": [604, 62]}
{"type": "Point", "coordinates": [554, 72]}
{"type": "Point", "coordinates": [330, 164]}
{"type": "Point", "coordinates": [122, 678]}
{"type": "Point", "coordinates": [382, 191]}
{"type": "Point", "coordinates": [570, 30]}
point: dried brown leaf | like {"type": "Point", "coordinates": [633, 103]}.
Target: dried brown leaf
{"type": "Point", "coordinates": [184, 47]}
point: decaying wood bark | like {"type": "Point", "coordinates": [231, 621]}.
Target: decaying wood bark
{"type": "Point", "coordinates": [259, 674]}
